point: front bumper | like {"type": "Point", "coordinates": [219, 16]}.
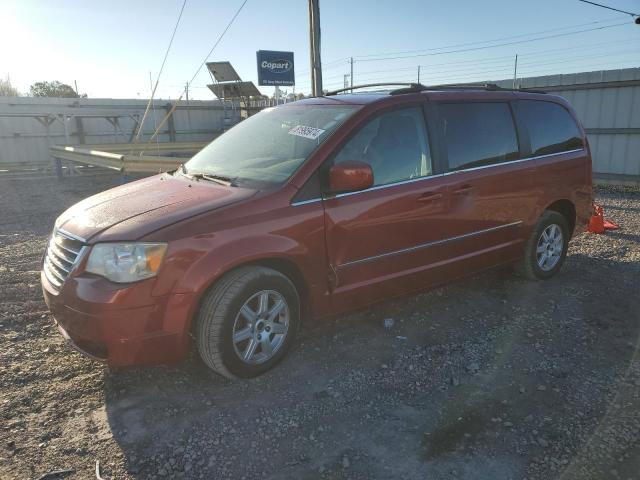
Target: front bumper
{"type": "Point", "coordinates": [120, 325]}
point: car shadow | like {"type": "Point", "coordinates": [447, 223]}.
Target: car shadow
{"type": "Point", "coordinates": [336, 384]}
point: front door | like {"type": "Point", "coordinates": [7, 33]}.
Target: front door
{"type": "Point", "coordinates": [382, 241]}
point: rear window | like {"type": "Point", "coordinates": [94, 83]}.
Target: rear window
{"type": "Point", "coordinates": [478, 134]}
{"type": "Point", "coordinates": [551, 128]}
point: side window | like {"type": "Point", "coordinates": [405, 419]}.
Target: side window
{"type": "Point", "coordinates": [551, 128]}
{"type": "Point", "coordinates": [478, 134]}
{"type": "Point", "coordinates": [394, 144]}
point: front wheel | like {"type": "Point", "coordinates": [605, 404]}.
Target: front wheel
{"type": "Point", "coordinates": [546, 249]}
{"type": "Point", "coordinates": [247, 322]}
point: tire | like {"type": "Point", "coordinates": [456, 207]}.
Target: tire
{"type": "Point", "coordinates": [530, 266]}
{"type": "Point", "coordinates": [220, 320]}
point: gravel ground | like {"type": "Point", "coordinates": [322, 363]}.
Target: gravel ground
{"type": "Point", "coordinates": [490, 378]}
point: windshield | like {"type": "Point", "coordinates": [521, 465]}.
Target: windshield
{"type": "Point", "coordinates": [269, 146]}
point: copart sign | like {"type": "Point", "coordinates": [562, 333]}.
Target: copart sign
{"type": "Point", "coordinates": [275, 68]}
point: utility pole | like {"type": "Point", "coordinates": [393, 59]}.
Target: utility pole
{"type": "Point", "coordinates": [418, 73]}
{"type": "Point", "coordinates": [351, 60]}
{"type": "Point", "coordinates": [76, 84]}
{"type": "Point", "coordinates": [346, 80]}
{"type": "Point", "coordinates": [314, 42]}
{"type": "Point", "coordinates": [515, 71]}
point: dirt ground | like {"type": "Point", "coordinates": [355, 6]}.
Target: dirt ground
{"type": "Point", "coordinates": [490, 378]}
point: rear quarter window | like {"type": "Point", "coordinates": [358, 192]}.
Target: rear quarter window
{"type": "Point", "coordinates": [551, 128]}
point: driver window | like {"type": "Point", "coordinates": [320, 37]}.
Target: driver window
{"type": "Point", "coordinates": [394, 144]}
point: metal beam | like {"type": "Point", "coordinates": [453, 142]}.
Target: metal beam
{"type": "Point", "coordinates": [589, 86]}
{"type": "Point", "coordinates": [612, 131]}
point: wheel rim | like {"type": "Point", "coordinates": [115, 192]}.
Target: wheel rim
{"type": "Point", "coordinates": [260, 327]}
{"type": "Point", "coordinates": [550, 246]}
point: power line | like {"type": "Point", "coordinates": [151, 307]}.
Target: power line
{"type": "Point", "coordinates": [488, 41]}
{"type": "Point", "coordinates": [218, 41]}
{"type": "Point", "coordinates": [494, 46]}
{"type": "Point", "coordinates": [499, 74]}
{"type": "Point", "coordinates": [173, 35]}
{"type": "Point", "coordinates": [532, 68]}
{"type": "Point", "coordinates": [175, 105]}
{"type": "Point", "coordinates": [164, 60]}
{"type": "Point", "coordinates": [346, 59]}
{"type": "Point", "coordinates": [365, 58]}
{"type": "Point", "coordinates": [609, 8]}
{"type": "Point", "coordinates": [487, 60]}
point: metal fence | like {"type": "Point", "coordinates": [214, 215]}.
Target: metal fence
{"type": "Point", "coordinates": [608, 104]}
{"type": "Point", "coordinates": [29, 126]}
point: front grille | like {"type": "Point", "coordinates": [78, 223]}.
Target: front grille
{"type": "Point", "coordinates": [61, 256]}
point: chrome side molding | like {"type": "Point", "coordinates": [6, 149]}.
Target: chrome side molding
{"type": "Point", "coordinates": [427, 245]}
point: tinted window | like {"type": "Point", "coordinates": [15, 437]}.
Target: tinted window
{"type": "Point", "coordinates": [478, 134]}
{"type": "Point", "coordinates": [394, 144]}
{"type": "Point", "coordinates": [551, 128]}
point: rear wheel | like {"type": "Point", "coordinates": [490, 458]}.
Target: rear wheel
{"type": "Point", "coordinates": [546, 249]}
{"type": "Point", "coordinates": [247, 322]}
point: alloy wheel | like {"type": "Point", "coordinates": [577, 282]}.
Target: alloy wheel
{"type": "Point", "coordinates": [261, 326]}
{"type": "Point", "coordinates": [550, 246]}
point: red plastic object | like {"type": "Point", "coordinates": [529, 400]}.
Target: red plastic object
{"type": "Point", "coordinates": [597, 223]}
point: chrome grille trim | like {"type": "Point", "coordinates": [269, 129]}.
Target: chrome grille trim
{"type": "Point", "coordinates": [50, 276]}
{"type": "Point", "coordinates": [61, 257]}
{"type": "Point", "coordinates": [61, 253]}
{"type": "Point", "coordinates": [58, 263]}
{"type": "Point", "coordinates": [59, 243]}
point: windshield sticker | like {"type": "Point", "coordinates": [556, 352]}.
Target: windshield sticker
{"type": "Point", "coordinates": [307, 132]}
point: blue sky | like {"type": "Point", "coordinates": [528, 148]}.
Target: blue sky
{"type": "Point", "coordinates": [109, 48]}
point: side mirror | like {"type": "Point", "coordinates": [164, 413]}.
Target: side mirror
{"type": "Point", "coordinates": [350, 176]}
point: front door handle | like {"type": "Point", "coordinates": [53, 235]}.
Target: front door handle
{"type": "Point", "coordinates": [429, 197]}
{"type": "Point", "coordinates": [463, 190]}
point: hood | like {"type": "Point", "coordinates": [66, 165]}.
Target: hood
{"type": "Point", "coordinates": [131, 211]}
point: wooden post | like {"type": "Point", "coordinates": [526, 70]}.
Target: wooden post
{"type": "Point", "coordinates": [80, 131]}
{"type": "Point", "coordinates": [170, 123]}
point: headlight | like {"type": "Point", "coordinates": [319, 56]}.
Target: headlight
{"type": "Point", "coordinates": [126, 262]}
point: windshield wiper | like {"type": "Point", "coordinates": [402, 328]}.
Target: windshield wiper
{"type": "Point", "coordinates": [222, 180]}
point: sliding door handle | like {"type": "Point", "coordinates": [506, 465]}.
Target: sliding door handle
{"type": "Point", "coordinates": [463, 190]}
{"type": "Point", "coordinates": [430, 197]}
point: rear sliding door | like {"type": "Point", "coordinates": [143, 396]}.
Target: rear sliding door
{"type": "Point", "coordinates": [489, 181]}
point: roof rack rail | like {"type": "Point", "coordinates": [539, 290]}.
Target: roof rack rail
{"type": "Point", "coordinates": [418, 87]}
{"type": "Point", "coordinates": [481, 86]}
{"type": "Point", "coordinates": [414, 86]}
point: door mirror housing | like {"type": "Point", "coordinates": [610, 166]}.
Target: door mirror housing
{"type": "Point", "coordinates": [350, 176]}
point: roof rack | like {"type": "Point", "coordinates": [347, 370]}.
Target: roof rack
{"type": "Point", "coordinates": [481, 86]}
{"type": "Point", "coordinates": [367, 85]}
{"type": "Point", "coordinates": [418, 87]}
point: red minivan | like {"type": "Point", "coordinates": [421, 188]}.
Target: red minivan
{"type": "Point", "coordinates": [316, 208]}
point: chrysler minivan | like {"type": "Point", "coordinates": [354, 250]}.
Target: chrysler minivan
{"type": "Point", "coordinates": [313, 209]}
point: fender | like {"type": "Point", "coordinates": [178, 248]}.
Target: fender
{"type": "Point", "coordinates": [227, 256]}
{"type": "Point", "coordinates": [230, 254]}
{"type": "Point", "coordinates": [233, 237]}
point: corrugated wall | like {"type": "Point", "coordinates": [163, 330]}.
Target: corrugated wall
{"type": "Point", "coordinates": [608, 104]}
{"type": "Point", "coordinates": [28, 126]}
